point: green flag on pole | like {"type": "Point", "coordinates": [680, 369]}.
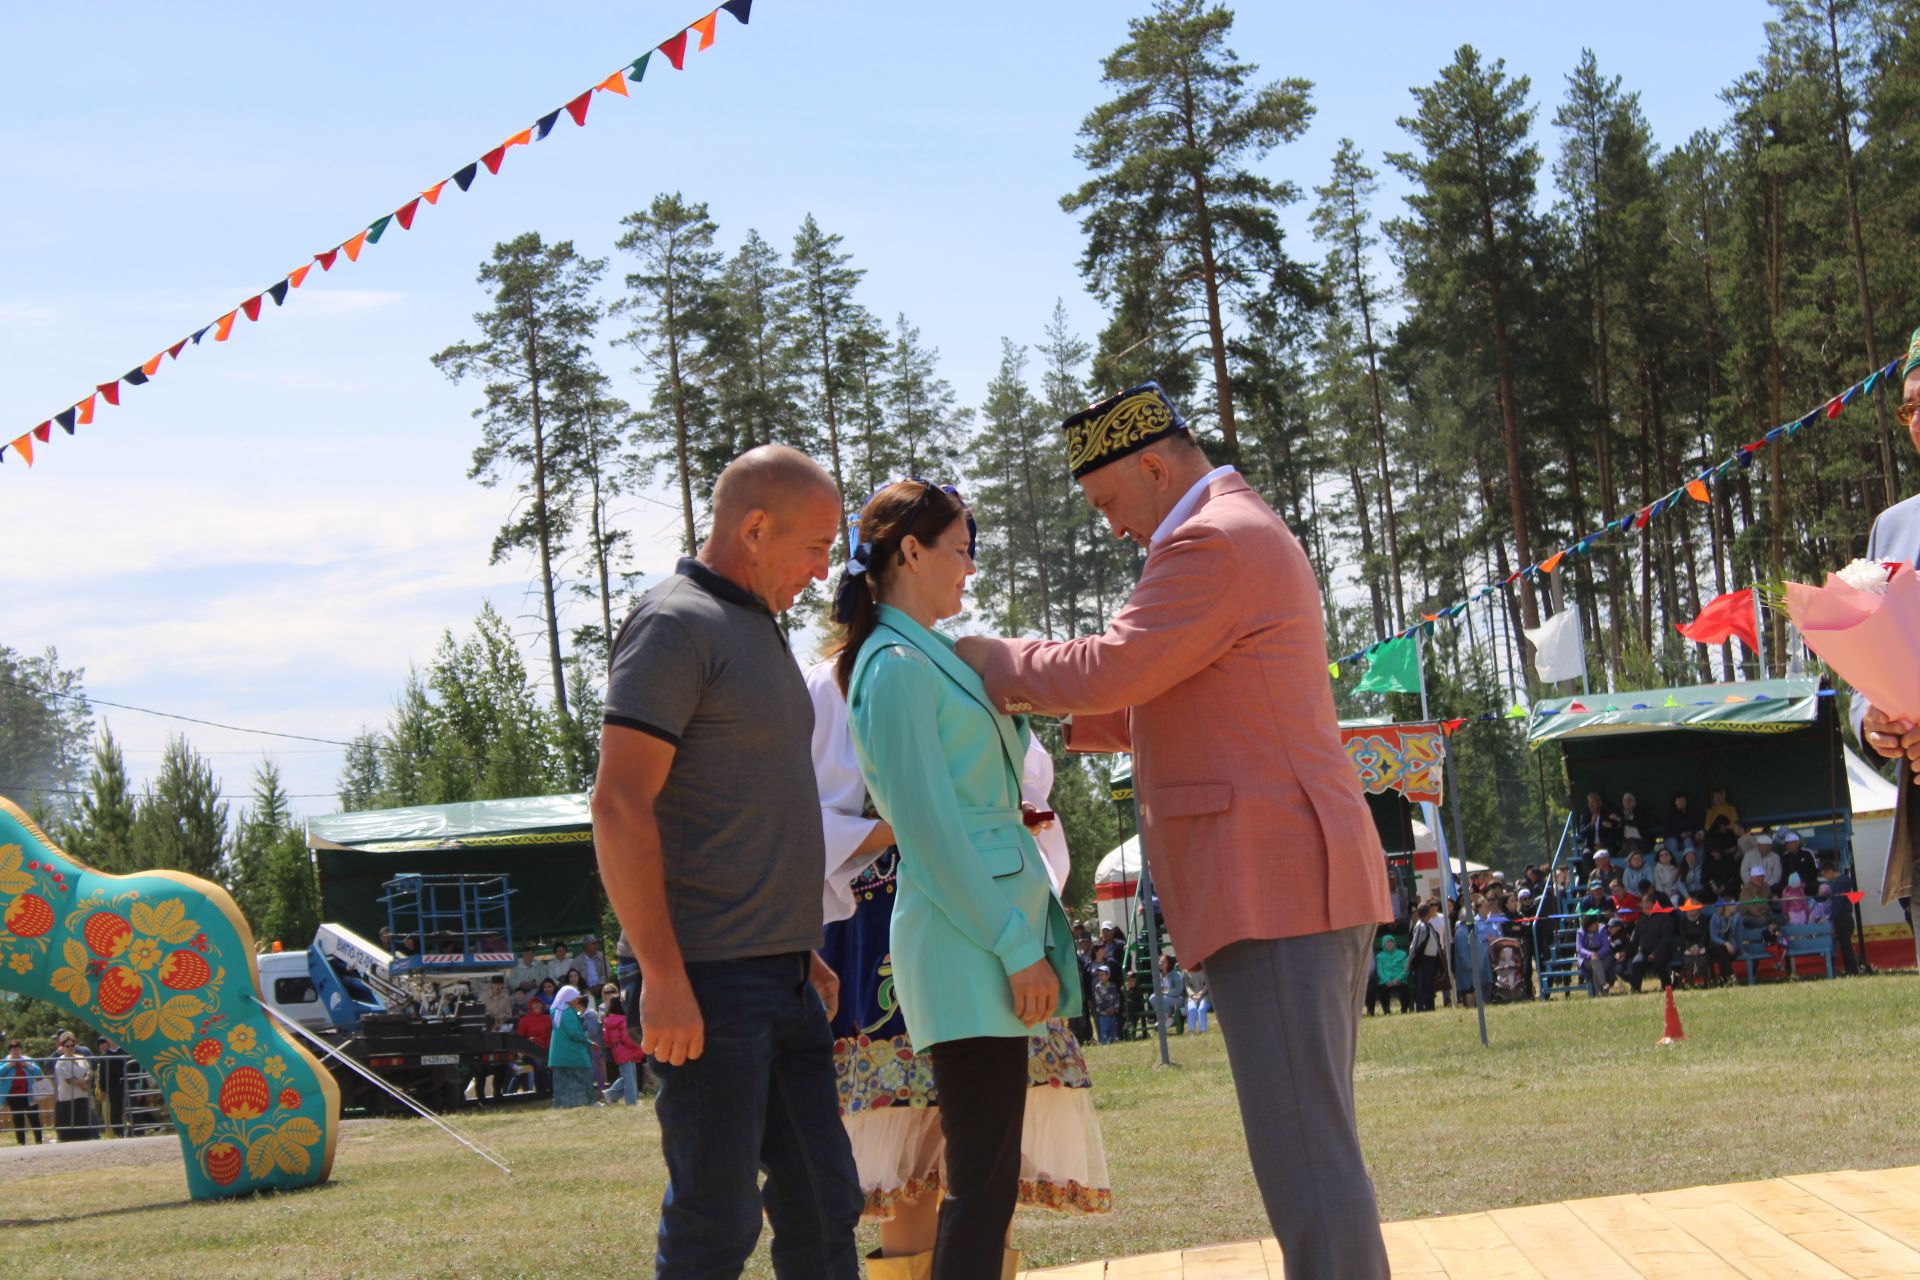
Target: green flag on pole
{"type": "Point", "coordinates": [1395, 668]}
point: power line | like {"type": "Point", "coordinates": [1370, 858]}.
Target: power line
{"type": "Point", "coordinates": [170, 715]}
{"type": "Point", "coordinates": [74, 791]}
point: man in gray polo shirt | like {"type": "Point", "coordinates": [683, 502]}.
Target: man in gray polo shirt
{"type": "Point", "coordinates": [707, 826]}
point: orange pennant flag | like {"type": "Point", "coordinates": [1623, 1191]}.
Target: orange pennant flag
{"type": "Point", "coordinates": [152, 366]}
{"type": "Point", "coordinates": [353, 247]}
{"type": "Point", "coordinates": [705, 28]}
{"type": "Point", "coordinates": [521, 138]}
{"type": "Point", "coordinates": [299, 274]}
{"type": "Point", "coordinates": [1697, 490]}
{"type": "Point", "coordinates": [24, 447]}
{"type": "Point", "coordinates": [86, 411]}
{"type": "Point", "coordinates": [432, 193]}
{"type": "Point", "coordinates": [224, 326]}
{"type": "Point", "coordinates": [1552, 562]}
{"type": "Point", "coordinates": [615, 83]}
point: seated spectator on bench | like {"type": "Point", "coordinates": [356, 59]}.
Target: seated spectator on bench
{"type": "Point", "coordinates": [1720, 864]}
{"type": "Point", "coordinates": [1693, 875]}
{"type": "Point", "coordinates": [1637, 875]}
{"type": "Point", "coordinates": [1653, 937]}
{"type": "Point", "coordinates": [1593, 953]}
{"type": "Point", "coordinates": [1389, 978]}
{"type": "Point", "coordinates": [1793, 899]}
{"type": "Point", "coordinates": [1718, 809]}
{"type": "Point", "coordinates": [1820, 911]}
{"type": "Point", "coordinates": [526, 973]}
{"type": "Point", "coordinates": [1635, 824]}
{"type": "Point", "coordinates": [1169, 991]}
{"type": "Point", "coordinates": [1756, 903]}
{"type": "Point", "coordinates": [1693, 940]}
{"type": "Point", "coordinates": [1723, 934]}
{"type": "Point", "coordinates": [1667, 880]}
{"type": "Point", "coordinates": [1683, 829]}
{"type": "Point", "coordinates": [1767, 858]}
{"type": "Point", "coordinates": [1624, 900]}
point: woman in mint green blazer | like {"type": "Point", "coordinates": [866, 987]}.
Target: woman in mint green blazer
{"type": "Point", "coordinates": [979, 944]}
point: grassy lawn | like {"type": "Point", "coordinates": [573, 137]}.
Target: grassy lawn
{"type": "Point", "coordinates": [1572, 1100]}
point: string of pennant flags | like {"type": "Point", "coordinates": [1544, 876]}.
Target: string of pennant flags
{"type": "Point", "coordinates": [1396, 651]}
{"type": "Point", "coordinates": [81, 412]}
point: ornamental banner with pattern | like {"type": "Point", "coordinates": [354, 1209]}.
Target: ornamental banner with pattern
{"type": "Point", "coordinates": [1405, 757]}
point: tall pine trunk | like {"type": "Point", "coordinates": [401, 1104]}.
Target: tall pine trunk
{"type": "Point", "coordinates": [543, 522]}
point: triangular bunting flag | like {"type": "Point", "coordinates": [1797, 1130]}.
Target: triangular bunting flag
{"type": "Point", "coordinates": [493, 158]}
{"type": "Point", "coordinates": [739, 9]}
{"type": "Point", "coordinates": [1854, 896]}
{"type": "Point", "coordinates": [252, 307]}
{"type": "Point", "coordinates": [1576, 708]}
{"type": "Point", "coordinates": [111, 390]}
{"type": "Point", "coordinates": [637, 71]}
{"type": "Point", "coordinates": [464, 177]}
{"type": "Point", "coordinates": [298, 276]}
{"type": "Point", "coordinates": [85, 408]}
{"type": "Point", "coordinates": [223, 326]}
{"type": "Point", "coordinates": [326, 259]}
{"type": "Point", "coordinates": [152, 366]}
{"type": "Point", "coordinates": [200, 333]}
{"type": "Point", "coordinates": [1697, 490]}
{"type": "Point", "coordinates": [1516, 712]}
{"type": "Point", "coordinates": [578, 107]}
{"type": "Point", "coordinates": [544, 125]}
{"type": "Point", "coordinates": [378, 229]}
{"type": "Point", "coordinates": [1671, 701]}
{"type": "Point", "coordinates": [432, 194]}
{"type": "Point", "coordinates": [405, 213]}
{"type": "Point", "coordinates": [44, 432]}
{"type": "Point", "coordinates": [65, 417]}
{"type": "Point", "coordinates": [1552, 562]}
{"type": "Point", "coordinates": [519, 139]}
{"type": "Point", "coordinates": [174, 350]}
{"type": "Point", "coordinates": [279, 294]}
{"type": "Point", "coordinates": [135, 378]}
{"type": "Point", "coordinates": [24, 447]}
{"type": "Point", "coordinates": [1333, 669]}
{"type": "Point", "coordinates": [705, 28]}
{"type": "Point", "coordinates": [1451, 727]}
{"type": "Point", "coordinates": [1393, 667]}
{"type": "Point", "coordinates": [1834, 407]}
{"type": "Point", "coordinates": [617, 82]}
{"type": "Point", "coordinates": [676, 50]}
{"type": "Point", "coordinates": [354, 246]}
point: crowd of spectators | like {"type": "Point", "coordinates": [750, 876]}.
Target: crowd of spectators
{"type": "Point", "coordinates": [72, 1094]}
{"type": "Point", "coordinates": [1123, 1003]}
{"type": "Point", "coordinates": [569, 1004]}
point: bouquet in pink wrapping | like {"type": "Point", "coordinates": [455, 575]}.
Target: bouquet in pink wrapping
{"type": "Point", "coordinates": [1866, 624]}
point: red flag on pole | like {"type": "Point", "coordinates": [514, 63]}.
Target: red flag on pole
{"type": "Point", "coordinates": [1730, 615]}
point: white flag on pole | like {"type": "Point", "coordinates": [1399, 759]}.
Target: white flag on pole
{"type": "Point", "coordinates": [1557, 654]}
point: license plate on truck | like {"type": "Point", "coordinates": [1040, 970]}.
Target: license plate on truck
{"type": "Point", "coordinates": [439, 1059]}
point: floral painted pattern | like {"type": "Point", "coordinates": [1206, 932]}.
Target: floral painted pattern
{"type": "Point", "coordinates": [162, 963]}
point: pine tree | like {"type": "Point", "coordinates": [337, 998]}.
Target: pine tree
{"type": "Point", "coordinates": [542, 319]}
{"type": "Point", "coordinates": [262, 826]}
{"type": "Point", "coordinates": [920, 405]}
{"type": "Point", "coordinates": [45, 726]}
{"type": "Point", "coordinates": [1174, 203]}
{"type": "Point", "coordinates": [180, 822]}
{"type": "Point", "coordinates": [752, 350]}
{"type": "Point", "coordinates": [820, 295]}
{"type": "Point", "coordinates": [100, 832]}
{"type": "Point", "coordinates": [673, 299]}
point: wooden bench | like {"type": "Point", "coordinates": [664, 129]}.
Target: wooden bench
{"type": "Point", "coordinates": [1799, 940]}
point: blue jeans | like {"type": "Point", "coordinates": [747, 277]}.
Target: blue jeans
{"type": "Point", "coordinates": [1109, 1024]}
{"type": "Point", "coordinates": [627, 1087]}
{"type": "Point", "coordinates": [760, 1096]}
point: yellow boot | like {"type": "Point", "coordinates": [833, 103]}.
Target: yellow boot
{"type": "Point", "coordinates": [904, 1266]}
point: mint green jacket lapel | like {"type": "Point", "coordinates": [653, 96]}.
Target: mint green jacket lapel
{"type": "Point", "coordinates": [940, 649]}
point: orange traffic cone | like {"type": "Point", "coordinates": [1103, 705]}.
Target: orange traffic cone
{"type": "Point", "coordinates": [1674, 1033]}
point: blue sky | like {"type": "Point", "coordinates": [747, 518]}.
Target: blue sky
{"type": "Point", "coordinates": [274, 528]}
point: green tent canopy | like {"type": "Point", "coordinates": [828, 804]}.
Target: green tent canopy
{"type": "Point", "coordinates": [1756, 706]}
{"type": "Point", "coordinates": [1774, 746]}
{"type": "Point", "coordinates": [543, 844]}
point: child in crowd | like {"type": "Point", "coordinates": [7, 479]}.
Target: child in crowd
{"type": "Point", "coordinates": [1106, 1005]}
{"type": "Point", "coordinates": [1594, 952]}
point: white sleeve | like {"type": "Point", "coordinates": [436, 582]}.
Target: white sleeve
{"type": "Point", "coordinates": [1036, 785]}
{"type": "Point", "coordinates": [843, 795]}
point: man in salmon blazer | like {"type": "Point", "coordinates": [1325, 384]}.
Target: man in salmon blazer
{"type": "Point", "coordinates": [1214, 675]}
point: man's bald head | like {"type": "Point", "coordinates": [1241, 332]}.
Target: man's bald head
{"type": "Point", "coordinates": [776, 517]}
{"type": "Point", "coordinates": [774, 479]}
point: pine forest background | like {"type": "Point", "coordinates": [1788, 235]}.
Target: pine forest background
{"type": "Point", "coordinates": [1565, 316]}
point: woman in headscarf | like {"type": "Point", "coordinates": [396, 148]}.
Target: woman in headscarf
{"type": "Point", "coordinates": [567, 1055]}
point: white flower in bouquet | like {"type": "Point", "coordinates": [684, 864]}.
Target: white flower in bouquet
{"type": "Point", "coordinates": [1870, 576]}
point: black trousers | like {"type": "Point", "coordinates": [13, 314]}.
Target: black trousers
{"type": "Point", "coordinates": [25, 1111]}
{"type": "Point", "coordinates": [1426, 970]}
{"type": "Point", "coordinates": [1843, 939]}
{"type": "Point", "coordinates": [73, 1119]}
{"type": "Point", "coordinates": [982, 1085]}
